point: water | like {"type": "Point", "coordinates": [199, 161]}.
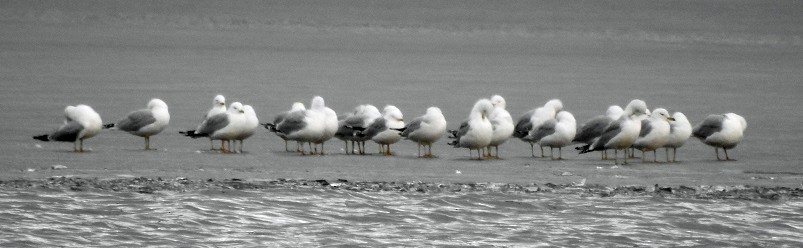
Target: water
{"type": "Point", "coordinates": [698, 57]}
{"type": "Point", "coordinates": [314, 217]}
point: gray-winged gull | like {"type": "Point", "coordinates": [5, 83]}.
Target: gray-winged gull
{"type": "Point", "coordinates": [621, 133]}
{"type": "Point", "coordinates": [145, 122]}
{"type": "Point", "coordinates": [593, 128]}
{"type": "Point", "coordinates": [296, 107]}
{"type": "Point", "coordinates": [80, 122]}
{"type": "Point", "coordinates": [654, 133]}
{"type": "Point", "coordinates": [476, 132]}
{"type": "Point", "coordinates": [225, 126]}
{"type": "Point", "coordinates": [425, 129]}
{"type": "Point", "coordinates": [556, 133]}
{"type": "Point", "coordinates": [381, 130]}
{"type": "Point", "coordinates": [721, 131]}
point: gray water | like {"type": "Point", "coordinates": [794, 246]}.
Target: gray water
{"type": "Point", "coordinates": [307, 217]}
{"type": "Point", "coordinates": [698, 57]}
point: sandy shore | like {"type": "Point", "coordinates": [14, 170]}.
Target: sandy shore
{"type": "Point", "coordinates": [151, 185]}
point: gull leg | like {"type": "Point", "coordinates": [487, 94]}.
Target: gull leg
{"type": "Point", "coordinates": [655, 156]}
{"type": "Point", "coordinates": [616, 156]}
{"type": "Point", "coordinates": [643, 158]}
{"type": "Point", "coordinates": [726, 155]}
{"type": "Point", "coordinates": [625, 162]}
{"type": "Point", "coordinates": [674, 154]}
{"type": "Point", "coordinates": [717, 151]}
{"type": "Point", "coordinates": [667, 154]}
{"type": "Point", "coordinates": [532, 150]}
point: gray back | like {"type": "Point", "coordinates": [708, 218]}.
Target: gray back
{"type": "Point", "coordinates": [709, 126]}
{"type": "Point", "coordinates": [214, 123]}
{"type": "Point", "coordinates": [136, 120]}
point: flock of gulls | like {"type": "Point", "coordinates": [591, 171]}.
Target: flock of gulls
{"type": "Point", "coordinates": [488, 125]}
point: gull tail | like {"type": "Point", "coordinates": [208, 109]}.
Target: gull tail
{"type": "Point", "coordinates": [270, 126]}
{"type": "Point", "coordinates": [107, 126]}
{"type": "Point", "coordinates": [452, 134]}
{"type": "Point", "coordinates": [43, 137]}
{"type": "Point", "coordinates": [401, 131]}
{"type": "Point", "coordinates": [584, 149]}
{"type": "Point", "coordinates": [360, 134]}
{"type": "Point", "coordinates": [192, 134]}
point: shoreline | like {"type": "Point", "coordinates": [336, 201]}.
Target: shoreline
{"type": "Point", "coordinates": [146, 185]}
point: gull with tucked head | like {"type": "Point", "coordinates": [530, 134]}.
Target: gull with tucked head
{"type": "Point", "coordinates": [80, 122]}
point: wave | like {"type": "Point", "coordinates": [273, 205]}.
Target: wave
{"type": "Point", "coordinates": [543, 20]}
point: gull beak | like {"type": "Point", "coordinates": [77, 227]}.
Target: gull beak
{"type": "Point", "coordinates": [242, 111]}
{"type": "Point", "coordinates": [670, 118]}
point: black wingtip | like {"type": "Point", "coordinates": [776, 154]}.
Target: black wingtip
{"type": "Point", "coordinates": [452, 134]}
{"type": "Point", "coordinates": [107, 126]}
{"type": "Point", "coordinates": [193, 134]}
{"type": "Point", "coordinates": [356, 128]}
{"type": "Point", "coordinates": [41, 137]}
{"type": "Point", "coordinates": [584, 149]}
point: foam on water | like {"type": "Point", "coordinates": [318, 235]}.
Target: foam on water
{"type": "Point", "coordinates": [304, 217]}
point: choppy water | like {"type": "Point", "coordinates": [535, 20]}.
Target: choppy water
{"type": "Point", "coordinates": [308, 217]}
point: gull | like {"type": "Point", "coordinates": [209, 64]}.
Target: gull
{"type": "Point", "coordinates": [679, 132]}
{"type": "Point", "coordinates": [502, 124]}
{"type": "Point", "coordinates": [476, 132]}
{"type": "Point", "coordinates": [358, 120]}
{"type": "Point", "coordinates": [218, 107]}
{"type": "Point", "coordinates": [303, 126]}
{"type": "Point", "coordinates": [592, 129]}
{"type": "Point", "coordinates": [328, 119]}
{"type": "Point", "coordinates": [382, 130]}
{"type": "Point", "coordinates": [80, 122]}
{"type": "Point", "coordinates": [425, 129]}
{"type": "Point", "coordinates": [556, 133]}
{"type": "Point", "coordinates": [621, 133]}
{"type": "Point", "coordinates": [247, 127]}
{"type": "Point", "coordinates": [226, 126]}
{"type": "Point", "coordinates": [145, 122]}
{"type": "Point", "coordinates": [721, 131]}
{"type": "Point", "coordinates": [296, 107]}
{"type": "Point", "coordinates": [654, 133]}
{"type": "Point", "coordinates": [539, 117]}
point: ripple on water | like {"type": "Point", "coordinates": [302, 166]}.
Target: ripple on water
{"type": "Point", "coordinates": [305, 217]}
